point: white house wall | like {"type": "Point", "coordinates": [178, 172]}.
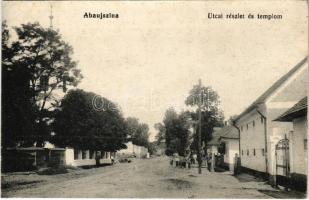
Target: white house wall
{"type": "Point", "coordinates": [284, 97]}
{"type": "Point", "coordinates": [298, 152]}
{"type": "Point", "coordinates": [69, 156]}
{"type": "Point", "coordinates": [231, 148]}
{"type": "Point", "coordinates": [252, 139]}
{"type": "Point", "coordinates": [87, 161]}
{"type": "Point", "coordinates": [276, 131]}
{"type": "Point", "coordinates": [132, 149]}
{"type": "Point", "coordinates": [287, 95]}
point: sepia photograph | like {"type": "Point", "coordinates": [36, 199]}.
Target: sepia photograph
{"type": "Point", "coordinates": [154, 99]}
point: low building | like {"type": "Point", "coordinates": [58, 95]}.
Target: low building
{"type": "Point", "coordinates": [229, 140]}
{"type": "Point", "coordinates": [298, 143]}
{"type": "Point", "coordinates": [80, 158]}
{"type": "Point", "coordinates": [31, 158]}
{"type": "Point", "coordinates": [133, 150]}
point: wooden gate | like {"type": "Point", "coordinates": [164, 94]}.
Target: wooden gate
{"type": "Point", "coordinates": [282, 158]}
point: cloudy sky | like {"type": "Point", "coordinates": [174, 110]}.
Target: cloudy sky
{"type": "Point", "coordinates": [149, 58]}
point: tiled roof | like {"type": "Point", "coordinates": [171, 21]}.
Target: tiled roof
{"type": "Point", "coordinates": [276, 85]}
{"type": "Point", "coordinates": [298, 110]}
{"type": "Point", "coordinates": [225, 132]}
{"type": "Point", "coordinates": [229, 132]}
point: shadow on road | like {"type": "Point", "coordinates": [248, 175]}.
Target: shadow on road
{"type": "Point", "coordinates": [248, 178]}
{"type": "Point", "coordinates": [284, 194]}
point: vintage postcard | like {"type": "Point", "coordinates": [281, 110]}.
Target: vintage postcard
{"type": "Point", "coordinates": [154, 99]}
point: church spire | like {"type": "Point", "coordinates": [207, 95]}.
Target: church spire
{"type": "Point", "coordinates": [51, 16]}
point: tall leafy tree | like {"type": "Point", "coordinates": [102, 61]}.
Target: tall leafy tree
{"type": "Point", "coordinates": [18, 112]}
{"type": "Point", "coordinates": [41, 63]}
{"type": "Point", "coordinates": [161, 132]}
{"type": "Point", "coordinates": [211, 114]}
{"type": "Point", "coordinates": [175, 131]}
{"type": "Point", "coordinates": [79, 125]}
{"type": "Point", "coordinates": [138, 132]}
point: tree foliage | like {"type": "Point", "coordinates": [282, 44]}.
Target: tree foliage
{"type": "Point", "coordinates": [138, 132]}
{"type": "Point", "coordinates": [78, 125]}
{"type": "Point", "coordinates": [18, 112]}
{"type": "Point", "coordinates": [36, 67]}
{"type": "Point", "coordinates": [175, 131]}
{"type": "Point", "coordinates": [211, 114]}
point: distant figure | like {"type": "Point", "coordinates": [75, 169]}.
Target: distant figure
{"type": "Point", "coordinates": [209, 158]}
{"type": "Point", "coordinates": [97, 158]}
{"type": "Point", "coordinates": [237, 164]}
{"type": "Point", "coordinates": [194, 158]}
{"type": "Point", "coordinates": [112, 158]}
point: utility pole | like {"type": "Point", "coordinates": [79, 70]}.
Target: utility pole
{"type": "Point", "coordinates": [199, 157]}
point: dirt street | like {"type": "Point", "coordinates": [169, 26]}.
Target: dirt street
{"type": "Point", "coordinates": [152, 178]}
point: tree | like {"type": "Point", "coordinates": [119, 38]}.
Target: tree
{"type": "Point", "coordinates": [18, 112]}
{"type": "Point", "coordinates": [175, 130]}
{"type": "Point", "coordinates": [40, 63]}
{"type": "Point", "coordinates": [161, 132]}
{"type": "Point", "coordinates": [211, 114]}
{"type": "Point", "coordinates": [79, 125]}
{"type": "Point", "coordinates": [138, 132]}
{"type": "Point", "coordinates": [152, 148]}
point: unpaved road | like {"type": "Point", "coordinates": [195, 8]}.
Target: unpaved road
{"type": "Point", "coordinates": [152, 178]}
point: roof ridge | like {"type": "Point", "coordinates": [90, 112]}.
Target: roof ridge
{"type": "Point", "coordinates": [273, 87]}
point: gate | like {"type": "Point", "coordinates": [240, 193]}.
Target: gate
{"type": "Point", "coordinates": [282, 158]}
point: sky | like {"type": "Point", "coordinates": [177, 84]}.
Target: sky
{"type": "Point", "coordinates": [149, 58]}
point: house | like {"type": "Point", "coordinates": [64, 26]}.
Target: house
{"type": "Point", "coordinates": [259, 133]}
{"type": "Point", "coordinates": [298, 143]}
{"type": "Point", "coordinates": [133, 150]}
{"type": "Point", "coordinates": [30, 158]}
{"type": "Point", "coordinates": [229, 140]}
{"type": "Point", "coordinates": [82, 158]}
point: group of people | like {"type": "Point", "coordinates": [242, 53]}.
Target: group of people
{"type": "Point", "coordinates": [190, 159]}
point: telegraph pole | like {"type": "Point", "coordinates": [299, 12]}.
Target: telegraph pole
{"type": "Point", "coordinates": [199, 157]}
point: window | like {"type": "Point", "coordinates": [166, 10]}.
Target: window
{"type": "Point", "coordinates": [254, 152]}
{"type": "Point", "coordinates": [253, 123]}
{"type": "Point", "coordinates": [91, 154]}
{"type": "Point", "coordinates": [305, 144]}
{"type": "Point", "coordinates": [83, 154]}
{"type": "Point", "coordinates": [262, 120]}
{"type": "Point", "coordinates": [263, 152]}
{"type": "Point", "coordinates": [102, 154]}
{"type": "Point", "coordinates": [242, 152]}
{"type": "Point", "coordinates": [247, 152]}
{"type": "Point", "coordinates": [75, 154]}
{"type": "Point", "coordinates": [247, 126]}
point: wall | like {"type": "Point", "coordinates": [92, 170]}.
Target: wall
{"type": "Point", "coordinates": [231, 148]}
{"type": "Point", "coordinates": [276, 131]}
{"type": "Point", "coordinates": [283, 98]}
{"type": "Point", "coordinates": [132, 149]}
{"type": "Point", "coordinates": [69, 158]}
{"type": "Point", "coordinates": [252, 141]}
{"type": "Point", "coordinates": [212, 149]}
{"type": "Point", "coordinates": [298, 152]}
